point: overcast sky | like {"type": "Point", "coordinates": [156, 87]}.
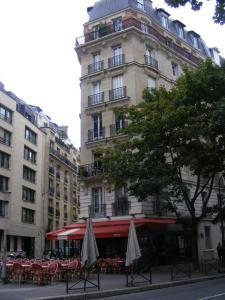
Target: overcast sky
{"type": "Point", "coordinates": [37, 58]}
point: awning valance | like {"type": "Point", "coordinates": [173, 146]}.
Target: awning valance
{"type": "Point", "coordinates": [104, 229]}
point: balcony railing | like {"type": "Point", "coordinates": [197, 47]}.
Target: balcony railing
{"type": "Point", "coordinates": [96, 134]}
{"type": "Point", "coordinates": [51, 170]}
{"type": "Point", "coordinates": [63, 158]}
{"type": "Point", "coordinates": [90, 170]}
{"type": "Point", "coordinates": [115, 128]}
{"type": "Point", "coordinates": [116, 60]}
{"type": "Point", "coordinates": [57, 175]}
{"type": "Point", "coordinates": [51, 210]}
{"type": "Point", "coordinates": [118, 93]}
{"type": "Point", "coordinates": [97, 211]}
{"type": "Point", "coordinates": [5, 141]}
{"type": "Point", "coordinates": [121, 207]}
{"type": "Point", "coordinates": [151, 61]}
{"type": "Point", "coordinates": [6, 118]}
{"type": "Point", "coordinates": [57, 213]}
{"type": "Point", "coordinates": [96, 67]}
{"type": "Point", "coordinates": [132, 22]}
{"type": "Point", "coordinates": [96, 99]}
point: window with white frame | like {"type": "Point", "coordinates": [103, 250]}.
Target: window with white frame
{"type": "Point", "coordinates": [195, 41]}
{"type": "Point", "coordinates": [28, 194]}
{"type": "Point", "coordinates": [30, 135]}
{"type": "Point", "coordinates": [97, 201]}
{"type": "Point", "coordinates": [180, 30]}
{"type": "Point", "coordinates": [29, 174]}
{"type": "Point", "coordinates": [117, 87]}
{"type": "Point", "coordinates": [29, 154]}
{"type": "Point", "coordinates": [117, 56]}
{"type": "Point", "coordinates": [144, 26]}
{"type": "Point", "coordinates": [96, 92]}
{"type": "Point", "coordinates": [5, 114]}
{"type": "Point", "coordinates": [5, 136]}
{"type": "Point", "coordinates": [95, 31]}
{"type": "Point", "coordinates": [164, 19]}
{"type": "Point", "coordinates": [97, 125]}
{"type": "Point", "coordinates": [97, 63]}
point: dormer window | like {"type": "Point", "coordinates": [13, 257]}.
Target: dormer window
{"type": "Point", "coordinates": [140, 4]}
{"type": "Point", "coordinates": [164, 17]}
{"type": "Point", "coordinates": [180, 28]}
{"type": "Point", "coordinates": [195, 39]}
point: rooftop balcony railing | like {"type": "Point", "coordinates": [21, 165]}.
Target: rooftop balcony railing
{"type": "Point", "coordinates": [151, 61]}
{"type": "Point", "coordinates": [96, 134]}
{"type": "Point", "coordinates": [132, 22]}
{"type": "Point", "coordinates": [116, 60]}
{"type": "Point", "coordinates": [96, 67]}
{"type": "Point", "coordinates": [97, 211]}
{"type": "Point", "coordinates": [96, 99]}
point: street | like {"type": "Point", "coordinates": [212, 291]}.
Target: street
{"type": "Point", "coordinates": [211, 289]}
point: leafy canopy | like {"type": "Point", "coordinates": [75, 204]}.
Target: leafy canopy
{"type": "Point", "coordinates": [219, 14]}
{"type": "Point", "coordinates": [169, 131]}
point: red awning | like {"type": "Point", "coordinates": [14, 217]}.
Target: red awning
{"type": "Point", "coordinates": [104, 229]}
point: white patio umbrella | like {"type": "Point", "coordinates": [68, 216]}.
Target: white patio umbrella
{"type": "Point", "coordinates": [133, 249]}
{"type": "Point", "coordinates": [89, 251]}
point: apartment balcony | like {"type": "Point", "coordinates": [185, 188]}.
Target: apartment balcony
{"type": "Point", "coordinates": [51, 191]}
{"type": "Point", "coordinates": [97, 211]}
{"type": "Point", "coordinates": [115, 128]}
{"type": "Point", "coordinates": [57, 213]}
{"type": "Point", "coordinates": [63, 159]}
{"type": "Point", "coordinates": [51, 210]}
{"type": "Point", "coordinates": [151, 61]}
{"type": "Point", "coordinates": [96, 67]}
{"type": "Point", "coordinates": [96, 99]}
{"type": "Point", "coordinates": [116, 60]}
{"type": "Point", "coordinates": [6, 118]}
{"type": "Point", "coordinates": [90, 170]}
{"type": "Point", "coordinates": [51, 170]}
{"type": "Point", "coordinates": [121, 207]}
{"type": "Point", "coordinates": [118, 93]}
{"type": "Point", "coordinates": [149, 30]}
{"type": "Point", "coordinates": [5, 141]}
{"type": "Point", "coordinates": [96, 134]}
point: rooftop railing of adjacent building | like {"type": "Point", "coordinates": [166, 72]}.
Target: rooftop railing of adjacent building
{"type": "Point", "coordinates": [132, 22]}
{"type": "Point", "coordinates": [97, 211]}
{"type": "Point", "coordinates": [90, 170]}
{"type": "Point", "coordinates": [63, 158]}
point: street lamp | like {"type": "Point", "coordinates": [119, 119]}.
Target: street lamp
{"type": "Point", "coordinates": [220, 202]}
{"type": "Point", "coordinates": [4, 257]}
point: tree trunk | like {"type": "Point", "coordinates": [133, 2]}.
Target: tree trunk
{"type": "Point", "coordinates": [194, 243]}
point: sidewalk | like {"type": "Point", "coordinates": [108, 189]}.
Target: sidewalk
{"type": "Point", "coordinates": [110, 285]}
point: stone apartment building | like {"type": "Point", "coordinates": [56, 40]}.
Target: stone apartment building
{"type": "Point", "coordinates": [127, 45]}
{"type": "Point", "coordinates": [38, 176]}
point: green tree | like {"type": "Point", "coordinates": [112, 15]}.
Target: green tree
{"type": "Point", "coordinates": [170, 130]}
{"type": "Point", "coordinates": [219, 14]}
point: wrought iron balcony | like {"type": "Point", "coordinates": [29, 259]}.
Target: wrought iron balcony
{"type": "Point", "coordinates": [96, 99]}
{"type": "Point", "coordinates": [116, 60]}
{"type": "Point", "coordinates": [5, 141]}
{"type": "Point", "coordinates": [151, 61]}
{"type": "Point", "coordinates": [90, 170]}
{"type": "Point", "coordinates": [115, 128]}
{"type": "Point", "coordinates": [150, 30]}
{"type": "Point", "coordinates": [118, 93]}
{"type": "Point", "coordinates": [63, 158]}
{"type": "Point", "coordinates": [97, 211]}
{"type": "Point", "coordinates": [51, 210]}
{"type": "Point", "coordinates": [96, 134]}
{"type": "Point", "coordinates": [96, 67]}
{"type": "Point", "coordinates": [121, 207]}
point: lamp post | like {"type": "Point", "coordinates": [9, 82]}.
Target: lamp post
{"type": "Point", "coordinates": [4, 258]}
{"type": "Point", "coordinates": [220, 202]}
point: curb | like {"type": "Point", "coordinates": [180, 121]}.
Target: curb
{"type": "Point", "coordinates": [129, 290]}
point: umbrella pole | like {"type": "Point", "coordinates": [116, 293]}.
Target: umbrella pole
{"type": "Point", "coordinates": [132, 275]}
